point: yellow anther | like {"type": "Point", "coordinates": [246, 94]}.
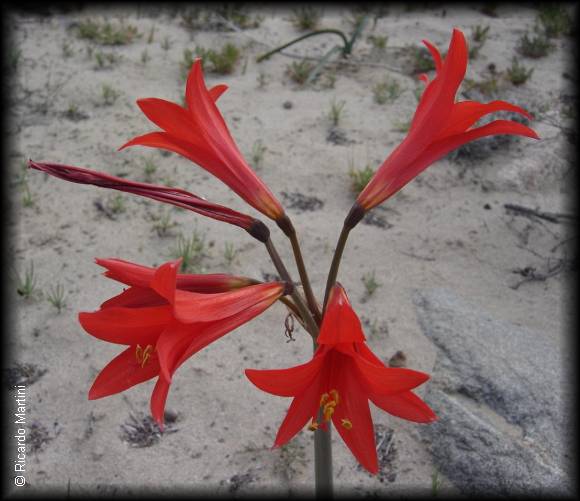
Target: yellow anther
{"type": "Point", "coordinates": [323, 399]}
{"type": "Point", "coordinates": [328, 410]}
{"type": "Point", "coordinates": [313, 426]}
{"type": "Point", "coordinates": [143, 355]}
{"type": "Point", "coordinates": [346, 423]}
{"type": "Point", "coordinates": [334, 394]}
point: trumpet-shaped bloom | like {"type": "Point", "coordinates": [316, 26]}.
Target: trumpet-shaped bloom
{"type": "Point", "coordinates": [338, 382]}
{"type": "Point", "coordinates": [164, 319]}
{"type": "Point", "coordinates": [173, 196]}
{"type": "Point", "coordinates": [439, 126]}
{"type": "Point", "coordinates": [199, 133]}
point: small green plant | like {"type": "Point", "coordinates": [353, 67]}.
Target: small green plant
{"type": "Point", "coordinates": [386, 91]}
{"type": "Point", "coordinates": [517, 73]}
{"type": "Point", "coordinates": [378, 42]}
{"type": "Point", "coordinates": [488, 86]}
{"type": "Point", "coordinates": [336, 111]}
{"type": "Point", "coordinates": [106, 59]}
{"type": "Point", "coordinates": [435, 483]}
{"type": "Point", "coordinates": [108, 94]}
{"type": "Point", "coordinates": [56, 297]}
{"type": "Point", "coordinates": [258, 151]}
{"type": "Point", "coordinates": [306, 18]}
{"type": "Point", "coordinates": [191, 251]}
{"type": "Point", "coordinates": [223, 61]}
{"type": "Point", "coordinates": [164, 223]}
{"type": "Point", "coordinates": [236, 14]}
{"type": "Point", "coordinates": [116, 204]}
{"type": "Point", "coordinates": [107, 33]}
{"type": "Point", "coordinates": [145, 57]}
{"type": "Point", "coordinates": [400, 126]}
{"type": "Point", "coordinates": [166, 43]}
{"type": "Point", "coordinates": [299, 71]}
{"type": "Point", "coordinates": [230, 253]}
{"type": "Point", "coordinates": [534, 47]}
{"type": "Point", "coordinates": [555, 20]}
{"type": "Point", "coordinates": [151, 35]}
{"type": "Point", "coordinates": [360, 178]}
{"type": "Point", "coordinates": [479, 33]}
{"type": "Point", "coordinates": [27, 197]}
{"type": "Point", "coordinates": [329, 79]}
{"type": "Point", "coordinates": [66, 50]}
{"type": "Point", "coordinates": [262, 79]}
{"type": "Point", "coordinates": [27, 285]}
{"type": "Point", "coordinates": [149, 168]}
{"type": "Point", "coordinates": [421, 60]}
{"type": "Point", "coordinates": [371, 284]}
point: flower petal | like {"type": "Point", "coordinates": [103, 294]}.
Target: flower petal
{"type": "Point", "coordinates": [211, 331]}
{"type": "Point", "coordinates": [286, 382]}
{"type": "Point", "coordinates": [127, 325]}
{"type": "Point", "coordinates": [165, 280]}
{"type": "Point", "coordinates": [127, 272]}
{"type": "Point", "coordinates": [135, 297]}
{"type": "Point", "coordinates": [354, 406]}
{"type": "Point", "coordinates": [441, 148]}
{"type": "Point", "coordinates": [158, 400]}
{"type": "Point", "coordinates": [122, 373]}
{"type": "Point", "coordinates": [466, 113]}
{"type": "Point", "coordinates": [193, 307]}
{"type": "Point", "coordinates": [388, 380]}
{"type": "Point", "coordinates": [302, 408]}
{"type": "Point", "coordinates": [405, 405]}
{"type": "Point", "coordinates": [340, 323]}
{"type": "Point", "coordinates": [435, 54]}
{"type": "Point", "coordinates": [171, 345]}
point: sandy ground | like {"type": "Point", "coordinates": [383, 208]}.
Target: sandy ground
{"type": "Point", "coordinates": [447, 228]}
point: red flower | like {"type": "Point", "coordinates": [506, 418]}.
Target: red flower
{"type": "Point", "coordinates": [199, 133]}
{"type": "Point", "coordinates": [163, 323]}
{"type": "Point", "coordinates": [339, 381]}
{"type": "Point", "coordinates": [439, 126]}
{"type": "Point", "coordinates": [174, 196]}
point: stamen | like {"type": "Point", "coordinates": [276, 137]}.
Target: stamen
{"type": "Point", "coordinates": [323, 399]}
{"type": "Point", "coordinates": [346, 423]}
{"type": "Point", "coordinates": [143, 355]}
{"type": "Point", "coordinates": [313, 426]}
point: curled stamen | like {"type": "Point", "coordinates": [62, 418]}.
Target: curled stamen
{"type": "Point", "coordinates": [143, 355]}
{"type": "Point", "coordinates": [313, 426]}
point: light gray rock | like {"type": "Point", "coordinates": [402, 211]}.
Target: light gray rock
{"type": "Point", "coordinates": [502, 396]}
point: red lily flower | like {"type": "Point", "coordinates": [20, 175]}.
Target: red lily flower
{"type": "Point", "coordinates": [199, 133]}
{"type": "Point", "coordinates": [439, 126]}
{"type": "Point", "coordinates": [163, 323]}
{"type": "Point", "coordinates": [173, 196]}
{"type": "Point", "coordinates": [338, 382]}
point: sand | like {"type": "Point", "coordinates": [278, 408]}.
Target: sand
{"type": "Point", "coordinates": [447, 228]}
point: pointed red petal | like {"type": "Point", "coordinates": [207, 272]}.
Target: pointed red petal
{"type": "Point", "coordinates": [354, 406]}
{"type": "Point", "coordinates": [126, 272]}
{"type": "Point", "coordinates": [122, 373]}
{"type": "Point", "coordinates": [165, 279]}
{"type": "Point", "coordinates": [302, 408]}
{"type": "Point", "coordinates": [466, 113]}
{"type": "Point", "coordinates": [286, 382]}
{"type": "Point", "coordinates": [211, 331]}
{"type": "Point", "coordinates": [340, 323]}
{"type": "Point", "coordinates": [127, 325]}
{"type": "Point", "coordinates": [405, 405]}
{"type": "Point", "coordinates": [441, 148]}
{"type": "Point", "coordinates": [435, 54]}
{"type": "Point", "coordinates": [172, 344]}
{"type": "Point", "coordinates": [135, 297]}
{"type": "Point", "coordinates": [158, 400]}
{"type": "Point", "coordinates": [388, 380]}
{"type": "Point", "coordinates": [217, 90]}
{"type": "Point", "coordinates": [171, 118]}
{"type": "Point", "coordinates": [193, 307]}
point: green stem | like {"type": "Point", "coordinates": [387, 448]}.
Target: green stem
{"type": "Point", "coordinates": [332, 274]}
{"type": "Point", "coordinates": [303, 37]}
{"type": "Point", "coordinates": [311, 325]}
